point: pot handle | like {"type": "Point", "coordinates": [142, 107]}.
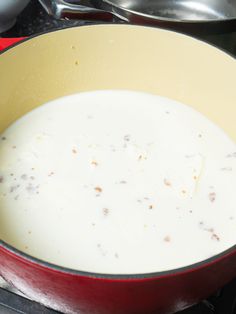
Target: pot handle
{"type": "Point", "coordinates": [6, 42]}
{"type": "Point", "coordinates": [61, 9]}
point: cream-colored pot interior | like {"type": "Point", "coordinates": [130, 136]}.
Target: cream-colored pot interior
{"type": "Point", "coordinates": [118, 57]}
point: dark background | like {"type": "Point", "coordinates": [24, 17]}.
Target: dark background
{"type": "Point", "coordinates": [35, 20]}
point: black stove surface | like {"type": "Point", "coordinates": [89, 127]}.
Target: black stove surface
{"type": "Point", "coordinates": [34, 20]}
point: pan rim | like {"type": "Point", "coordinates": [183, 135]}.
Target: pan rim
{"type": "Point", "coordinates": [166, 19]}
{"type": "Point", "coordinates": [40, 263]}
{"type": "Point", "coordinates": [121, 25]}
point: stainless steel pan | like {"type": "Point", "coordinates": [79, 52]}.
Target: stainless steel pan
{"type": "Point", "coordinates": [145, 11]}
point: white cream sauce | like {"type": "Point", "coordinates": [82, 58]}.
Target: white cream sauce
{"type": "Point", "coordinates": [117, 182]}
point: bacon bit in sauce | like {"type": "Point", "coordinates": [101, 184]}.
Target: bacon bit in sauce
{"type": "Point", "coordinates": [190, 211]}
{"type": "Point", "coordinates": [14, 187]}
{"type": "Point", "coordinates": [233, 155]}
{"type": "Point", "coordinates": [150, 207]}
{"type": "Point", "coordinates": [26, 247]}
{"type": "Point", "coordinates": [4, 138]}
{"type": "Point", "coordinates": [32, 177]}
{"type": "Point", "coordinates": [1, 179]}
{"type": "Point", "coordinates": [141, 157]}
{"type": "Point", "coordinates": [102, 251]}
{"type": "Point", "coordinates": [24, 177]}
{"type": "Point", "coordinates": [167, 239]}
{"type": "Point", "coordinates": [29, 232]}
{"type": "Point", "coordinates": [215, 237]}
{"type": "Point", "coordinates": [212, 197]}
{"type": "Point", "coordinates": [32, 168]}
{"type": "Point", "coordinates": [74, 151]}
{"type": "Point", "coordinates": [201, 224]}
{"type": "Point", "coordinates": [200, 135]}
{"type": "Point", "coordinates": [98, 189]}
{"type": "Point", "coordinates": [167, 182]}
{"type": "Point", "coordinates": [183, 191]}
{"type": "Point", "coordinates": [14, 147]}
{"type": "Point", "coordinates": [105, 211]}
{"type": "Point", "coordinates": [204, 228]}
{"type": "Point", "coordinates": [76, 62]}
{"type": "Point", "coordinates": [51, 174]}
{"type": "Point", "coordinates": [207, 229]}
{"type": "Point", "coordinates": [94, 163]}
{"type": "Point", "coordinates": [12, 174]}
{"type": "Point", "coordinates": [127, 138]}
{"type": "Point", "coordinates": [195, 178]}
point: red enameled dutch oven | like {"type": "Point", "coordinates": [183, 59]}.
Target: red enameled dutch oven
{"type": "Point", "coordinates": [116, 57]}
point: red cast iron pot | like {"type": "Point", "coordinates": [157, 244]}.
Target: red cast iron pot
{"type": "Point", "coordinates": [124, 57]}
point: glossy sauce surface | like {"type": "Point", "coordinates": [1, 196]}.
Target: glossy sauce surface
{"type": "Point", "coordinates": [117, 182]}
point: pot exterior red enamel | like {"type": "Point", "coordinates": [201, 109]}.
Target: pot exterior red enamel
{"type": "Point", "coordinates": [74, 293]}
{"type": "Point", "coordinates": [124, 57]}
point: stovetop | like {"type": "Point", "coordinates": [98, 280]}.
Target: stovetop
{"type": "Point", "coordinates": [34, 20]}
